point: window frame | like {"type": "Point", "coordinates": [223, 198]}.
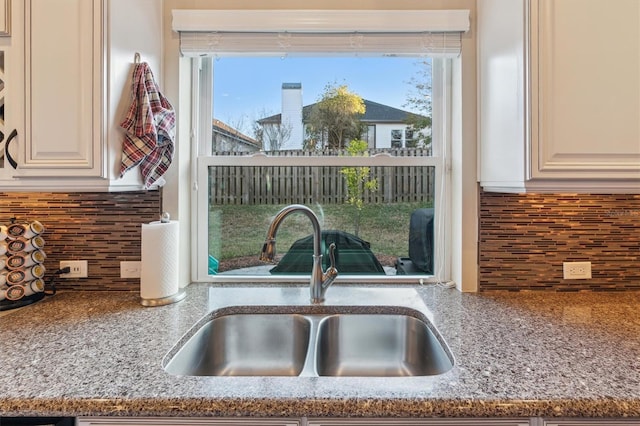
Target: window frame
{"type": "Point", "coordinates": [202, 77]}
{"type": "Point", "coordinates": [396, 142]}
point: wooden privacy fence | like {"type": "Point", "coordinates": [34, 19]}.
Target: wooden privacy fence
{"type": "Point", "coordinates": [250, 185]}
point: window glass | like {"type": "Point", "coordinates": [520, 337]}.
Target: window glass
{"type": "Point", "coordinates": [409, 140]}
{"type": "Point", "coordinates": [372, 224]}
{"type": "Point", "coordinates": [319, 126]}
{"type": "Point", "coordinates": [396, 138]}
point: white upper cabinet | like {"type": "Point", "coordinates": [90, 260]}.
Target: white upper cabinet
{"type": "Point", "coordinates": [559, 90]}
{"type": "Point", "coordinates": [68, 76]}
{"type": "Point", "coordinates": [62, 89]}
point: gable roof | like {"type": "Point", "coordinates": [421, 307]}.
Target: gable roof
{"type": "Point", "coordinates": [374, 113]}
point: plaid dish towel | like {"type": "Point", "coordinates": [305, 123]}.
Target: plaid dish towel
{"type": "Point", "coordinates": [149, 128]}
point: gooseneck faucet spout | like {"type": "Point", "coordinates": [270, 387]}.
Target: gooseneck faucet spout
{"type": "Point", "coordinates": [320, 280]}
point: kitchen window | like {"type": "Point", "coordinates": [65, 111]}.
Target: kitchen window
{"type": "Point", "coordinates": [239, 192]}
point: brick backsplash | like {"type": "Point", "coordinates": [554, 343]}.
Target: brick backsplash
{"type": "Point", "coordinates": [524, 238]}
{"type": "Point", "coordinates": [103, 228]}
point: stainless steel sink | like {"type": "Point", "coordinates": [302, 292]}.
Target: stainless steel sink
{"type": "Point", "coordinates": [378, 345]}
{"type": "Point", "coordinates": [245, 345]}
{"type": "Point", "coordinates": [311, 341]}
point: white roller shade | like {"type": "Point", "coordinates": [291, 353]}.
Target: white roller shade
{"type": "Point", "coordinates": [312, 32]}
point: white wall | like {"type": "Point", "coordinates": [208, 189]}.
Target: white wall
{"type": "Point", "coordinates": [383, 133]}
{"type": "Point", "coordinates": [128, 34]}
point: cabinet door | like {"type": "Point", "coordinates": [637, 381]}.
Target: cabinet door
{"type": "Point", "coordinates": [592, 422]}
{"type": "Point", "coordinates": [5, 129]}
{"type": "Point", "coordinates": [419, 422]}
{"type": "Point", "coordinates": [11, 90]}
{"type": "Point", "coordinates": [585, 69]}
{"type": "Point", "coordinates": [183, 421]}
{"type": "Point", "coordinates": [63, 71]}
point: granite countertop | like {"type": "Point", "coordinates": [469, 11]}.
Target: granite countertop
{"type": "Point", "coordinates": [516, 355]}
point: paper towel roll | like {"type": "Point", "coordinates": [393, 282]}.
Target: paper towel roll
{"type": "Point", "coordinates": [159, 260]}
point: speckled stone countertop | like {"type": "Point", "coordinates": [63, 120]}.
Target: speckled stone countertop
{"type": "Point", "coordinates": [516, 355]}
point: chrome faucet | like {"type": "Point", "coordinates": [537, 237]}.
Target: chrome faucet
{"type": "Point", "coordinates": [320, 280]}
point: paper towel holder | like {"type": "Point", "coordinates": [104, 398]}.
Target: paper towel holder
{"type": "Point", "coordinates": [165, 220]}
{"type": "Point", "coordinates": [164, 300]}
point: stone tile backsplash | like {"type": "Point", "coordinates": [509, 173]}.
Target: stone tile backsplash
{"type": "Point", "coordinates": [525, 238]}
{"type": "Point", "coordinates": [103, 228]}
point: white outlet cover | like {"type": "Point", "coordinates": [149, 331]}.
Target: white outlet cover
{"type": "Point", "coordinates": [130, 269]}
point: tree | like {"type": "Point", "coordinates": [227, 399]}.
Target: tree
{"type": "Point", "coordinates": [272, 136]}
{"type": "Point", "coordinates": [336, 117]}
{"type": "Point", "coordinates": [420, 100]}
{"type": "Point", "coordinates": [358, 180]}
{"type": "Point", "coordinates": [276, 135]}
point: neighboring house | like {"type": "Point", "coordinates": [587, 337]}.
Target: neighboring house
{"type": "Point", "coordinates": [226, 138]}
{"type": "Point", "coordinates": [386, 126]}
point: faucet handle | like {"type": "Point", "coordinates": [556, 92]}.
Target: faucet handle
{"type": "Point", "coordinates": [332, 255]}
{"type": "Point", "coordinates": [331, 272]}
{"type": "Point", "coordinates": [329, 276]}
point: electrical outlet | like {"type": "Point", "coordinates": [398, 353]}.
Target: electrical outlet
{"type": "Point", "coordinates": [130, 269]}
{"type": "Point", "coordinates": [79, 268]}
{"type": "Point", "coordinates": [576, 270]}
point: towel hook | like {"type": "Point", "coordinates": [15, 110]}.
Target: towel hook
{"type": "Point", "coordinates": [136, 58]}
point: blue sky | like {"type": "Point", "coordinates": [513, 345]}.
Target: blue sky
{"type": "Point", "coordinates": [244, 88]}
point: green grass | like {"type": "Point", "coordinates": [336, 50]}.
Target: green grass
{"type": "Point", "coordinates": [243, 228]}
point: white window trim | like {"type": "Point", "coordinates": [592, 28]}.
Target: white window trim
{"type": "Point", "coordinates": [278, 32]}
{"type": "Point", "coordinates": [321, 21]}
{"type": "Point", "coordinates": [440, 131]}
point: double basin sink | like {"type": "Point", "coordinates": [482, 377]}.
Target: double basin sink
{"type": "Point", "coordinates": [310, 341]}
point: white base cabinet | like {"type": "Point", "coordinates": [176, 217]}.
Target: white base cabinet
{"type": "Point", "coordinates": [250, 421]}
{"type": "Point", "coordinates": [184, 421]}
{"type": "Point", "coordinates": [591, 422]}
{"type": "Point", "coordinates": [559, 93]}
{"type": "Point", "coordinates": [68, 67]}
{"type": "Point", "coordinates": [421, 422]}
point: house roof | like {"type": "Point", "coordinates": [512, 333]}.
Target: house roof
{"type": "Point", "coordinates": [374, 113]}
{"type": "Point", "coordinates": [225, 129]}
